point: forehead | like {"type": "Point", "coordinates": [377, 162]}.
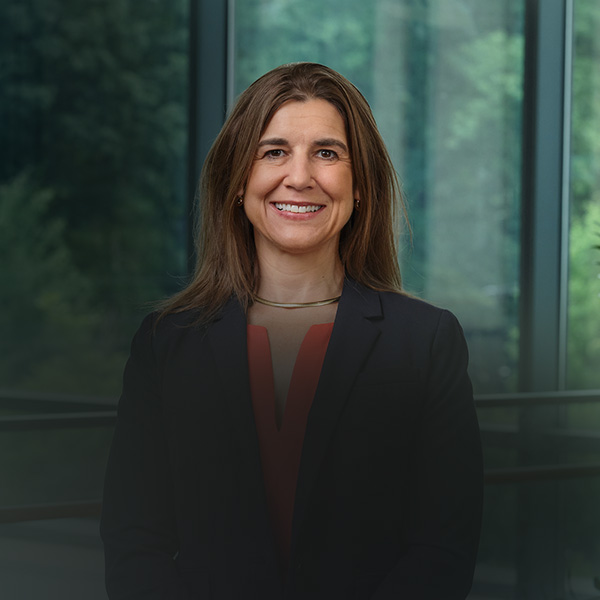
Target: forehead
{"type": "Point", "coordinates": [312, 117]}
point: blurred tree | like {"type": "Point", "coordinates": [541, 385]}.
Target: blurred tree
{"type": "Point", "coordinates": [584, 299]}
{"type": "Point", "coordinates": [585, 143]}
{"type": "Point", "coordinates": [93, 106]}
{"type": "Point", "coordinates": [584, 285]}
{"type": "Point", "coordinates": [42, 294]}
{"type": "Point", "coordinates": [338, 33]}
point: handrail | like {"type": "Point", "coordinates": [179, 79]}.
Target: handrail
{"type": "Point", "coordinates": [105, 415]}
{"type": "Point", "coordinates": [526, 399]}
{"type": "Point", "coordinates": [541, 473]}
{"type": "Point", "coordinates": [481, 400]}
{"type": "Point", "coordinates": [104, 418]}
{"type": "Point", "coordinates": [40, 512]}
{"type": "Point", "coordinates": [19, 396]}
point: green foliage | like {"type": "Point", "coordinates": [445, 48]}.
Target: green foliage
{"type": "Point", "coordinates": [47, 322]}
{"type": "Point", "coordinates": [489, 68]}
{"type": "Point", "coordinates": [584, 299]}
{"type": "Point", "coordinates": [338, 33]}
{"type": "Point", "coordinates": [584, 270]}
{"type": "Point", "coordinates": [42, 291]}
{"type": "Point", "coordinates": [585, 145]}
{"type": "Point", "coordinates": [93, 106]}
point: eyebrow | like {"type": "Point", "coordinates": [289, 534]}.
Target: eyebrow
{"type": "Point", "coordinates": [331, 142]}
{"type": "Point", "coordinates": [321, 142]}
{"type": "Point", "coordinates": [273, 142]}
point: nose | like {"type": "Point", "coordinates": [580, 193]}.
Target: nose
{"type": "Point", "coordinates": [299, 175]}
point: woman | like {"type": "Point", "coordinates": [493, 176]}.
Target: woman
{"type": "Point", "coordinates": [292, 425]}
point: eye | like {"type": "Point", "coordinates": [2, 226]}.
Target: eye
{"type": "Point", "coordinates": [327, 154]}
{"type": "Point", "coordinates": [275, 153]}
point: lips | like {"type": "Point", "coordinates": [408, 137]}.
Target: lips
{"type": "Point", "coordinates": [298, 208]}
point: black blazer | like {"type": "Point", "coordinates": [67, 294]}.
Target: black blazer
{"type": "Point", "coordinates": [389, 493]}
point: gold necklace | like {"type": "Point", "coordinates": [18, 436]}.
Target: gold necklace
{"type": "Point", "coordinates": [297, 304]}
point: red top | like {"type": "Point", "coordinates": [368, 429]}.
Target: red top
{"type": "Point", "coordinates": [280, 449]}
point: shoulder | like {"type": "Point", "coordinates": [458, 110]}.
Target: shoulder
{"type": "Point", "coordinates": [399, 309]}
{"type": "Point", "coordinates": [155, 325]}
{"type": "Point", "coordinates": [421, 320]}
{"type": "Point", "coordinates": [419, 312]}
{"type": "Point", "coordinates": [408, 304]}
{"type": "Point", "coordinates": [158, 333]}
{"type": "Point", "coordinates": [405, 323]}
{"type": "Point", "coordinates": [174, 334]}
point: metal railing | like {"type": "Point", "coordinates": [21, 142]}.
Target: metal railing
{"type": "Point", "coordinates": [101, 412]}
{"type": "Point", "coordinates": [40, 512]}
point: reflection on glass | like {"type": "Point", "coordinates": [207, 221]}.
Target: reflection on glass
{"type": "Point", "coordinates": [57, 559]}
{"type": "Point", "coordinates": [574, 572]}
{"type": "Point", "coordinates": [444, 78]}
{"type": "Point", "coordinates": [540, 524]}
{"type": "Point", "coordinates": [53, 465]}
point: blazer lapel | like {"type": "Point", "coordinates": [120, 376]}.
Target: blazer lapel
{"type": "Point", "coordinates": [228, 341]}
{"type": "Point", "coordinates": [351, 342]}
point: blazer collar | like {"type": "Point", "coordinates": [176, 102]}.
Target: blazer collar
{"type": "Point", "coordinates": [228, 340]}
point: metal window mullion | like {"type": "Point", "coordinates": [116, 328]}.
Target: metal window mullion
{"type": "Point", "coordinates": [540, 509]}
{"type": "Point", "coordinates": [541, 264]}
{"type": "Point", "coordinates": [565, 197]}
{"type": "Point", "coordinates": [207, 89]}
{"type": "Point", "coordinates": [231, 45]}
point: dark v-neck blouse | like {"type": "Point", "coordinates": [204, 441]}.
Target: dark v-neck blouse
{"type": "Point", "coordinates": [280, 449]}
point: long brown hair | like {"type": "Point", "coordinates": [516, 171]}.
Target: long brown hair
{"type": "Point", "coordinates": [226, 255]}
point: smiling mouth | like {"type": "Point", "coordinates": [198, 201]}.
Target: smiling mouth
{"type": "Point", "coordinates": [295, 208]}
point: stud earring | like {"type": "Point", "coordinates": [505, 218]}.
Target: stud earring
{"type": "Point", "coordinates": [357, 204]}
{"type": "Point", "coordinates": [239, 200]}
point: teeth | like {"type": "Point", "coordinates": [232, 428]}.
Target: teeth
{"type": "Point", "coordinates": [297, 209]}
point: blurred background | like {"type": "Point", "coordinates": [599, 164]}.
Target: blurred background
{"type": "Point", "coordinates": [491, 112]}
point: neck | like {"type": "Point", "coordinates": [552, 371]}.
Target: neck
{"type": "Point", "coordinates": [291, 278]}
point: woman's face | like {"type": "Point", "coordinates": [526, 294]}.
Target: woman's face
{"type": "Point", "coordinates": [300, 192]}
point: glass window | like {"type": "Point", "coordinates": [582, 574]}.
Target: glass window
{"type": "Point", "coordinates": [444, 79]}
{"type": "Point", "coordinates": [92, 184]}
{"type": "Point", "coordinates": [584, 269]}
{"type": "Point", "coordinates": [93, 210]}
{"type": "Point", "coordinates": [55, 559]}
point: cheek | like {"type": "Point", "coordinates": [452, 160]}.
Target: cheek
{"type": "Point", "coordinates": [346, 194]}
{"type": "Point", "coordinates": [349, 209]}
{"type": "Point", "coordinates": [337, 185]}
{"type": "Point", "coordinates": [252, 208]}
{"type": "Point", "coordinates": [261, 181]}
